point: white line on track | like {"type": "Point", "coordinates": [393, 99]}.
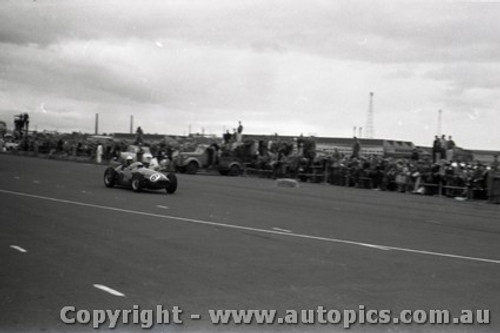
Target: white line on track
{"type": "Point", "coordinates": [18, 248]}
{"type": "Point", "coordinates": [239, 227]}
{"type": "Point", "coordinates": [378, 247]}
{"type": "Point", "coordinates": [109, 290]}
{"type": "Point", "coordinates": [283, 230]}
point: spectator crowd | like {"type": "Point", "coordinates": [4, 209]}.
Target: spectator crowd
{"type": "Point", "coordinates": [439, 173]}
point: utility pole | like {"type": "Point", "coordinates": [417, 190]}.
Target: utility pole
{"type": "Point", "coordinates": [131, 124]}
{"type": "Point", "coordinates": [370, 128]}
{"type": "Point", "coordinates": [96, 123]}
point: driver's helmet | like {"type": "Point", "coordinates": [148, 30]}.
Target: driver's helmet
{"type": "Point", "coordinates": [129, 160]}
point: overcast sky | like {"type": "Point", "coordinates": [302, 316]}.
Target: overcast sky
{"type": "Point", "coordinates": [286, 66]}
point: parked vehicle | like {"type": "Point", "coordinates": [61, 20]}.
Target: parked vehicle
{"type": "Point", "coordinates": [9, 142]}
{"type": "Point", "coordinates": [191, 162]}
{"type": "Point", "coordinates": [9, 146]}
{"type": "Point", "coordinates": [229, 165]}
{"type": "Point", "coordinates": [207, 157]}
{"type": "Point", "coordinates": [133, 151]}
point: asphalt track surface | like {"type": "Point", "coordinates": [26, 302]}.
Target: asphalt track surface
{"type": "Point", "coordinates": [235, 243]}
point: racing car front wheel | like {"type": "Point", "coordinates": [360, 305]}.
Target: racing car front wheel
{"type": "Point", "coordinates": [171, 186]}
{"type": "Point", "coordinates": [137, 183]}
{"type": "Point", "coordinates": [109, 177]}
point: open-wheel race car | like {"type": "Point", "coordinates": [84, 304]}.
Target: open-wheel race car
{"type": "Point", "coordinates": [138, 177]}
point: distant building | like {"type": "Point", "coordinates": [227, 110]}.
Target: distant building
{"type": "Point", "coordinates": [369, 147]}
{"type": "Point", "coordinates": [131, 137]}
{"type": "Point", "coordinates": [485, 156]}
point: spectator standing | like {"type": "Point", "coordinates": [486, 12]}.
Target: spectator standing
{"type": "Point", "coordinates": [442, 144]}
{"type": "Point", "coordinates": [139, 154]}
{"type": "Point", "coordinates": [414, 155]}
{"type": "Point", "coordinates": [213, 155]}
{"type": "Point", "coordinates": [239, 133]}
{"type": "Point", "coordinates": [99, 153]}
{"type": "Point", "coordinates": [60, 144]}
{"type": "Point", "coordinates": [436, 149]}
{"type": "Point", "coordinates": [271, 142]}
{"type": "Point", "coordinates": [356, 148]}
{"type": "Point", "coordinates": [450, 149]}
{"type": "Point", "coordinates": [277, 164]}
{"type": "Point", "coordinates": [336, 154]}
{"type": "Point", "coordinates": [139, 136]}
{"type": "Point", "coordinates": [262, 148]}
{"type": "Point", "coordinates": [493, 182]}
{"type": "Point", "coordinates": [234, 140]}
{"type": "Point", "coordinates": [227, 137]}
{"type": "Point", "coordinates": [300, 145]}
{"type": "Point", "coordinates": [495, 165]}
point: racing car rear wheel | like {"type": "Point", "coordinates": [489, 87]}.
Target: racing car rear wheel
{"type": "Point", "coordinates": [109, 177]}
{"type": "Point", "coordinates": [171, 186]}
{"type": "Point", "coordinates": [137, 182]}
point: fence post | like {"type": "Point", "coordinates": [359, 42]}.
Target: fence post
{"type": "Point", "coordinates": [325, 172]}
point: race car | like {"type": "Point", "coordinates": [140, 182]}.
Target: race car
{"type": "Point", "coordinates": [138, 177]}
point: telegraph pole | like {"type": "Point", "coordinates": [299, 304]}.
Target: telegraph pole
{"type": "Point", "coordinates": [96, 123]}
{"type": "Point", "coordinates": [369, 120]}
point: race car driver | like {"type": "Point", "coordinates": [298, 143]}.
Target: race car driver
{"type": "Point", "coordinates": [128, 162]}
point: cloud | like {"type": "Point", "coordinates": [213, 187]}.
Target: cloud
{"type": "Point", "coordinates": [465, 75]}
{"type": "Point", "coordinates": [364, 30]}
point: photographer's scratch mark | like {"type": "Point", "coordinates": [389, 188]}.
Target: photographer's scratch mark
{"type": "Point", "coordinates": [109, 290]}
{"type": "Point", "coordinates": [18, 248]}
